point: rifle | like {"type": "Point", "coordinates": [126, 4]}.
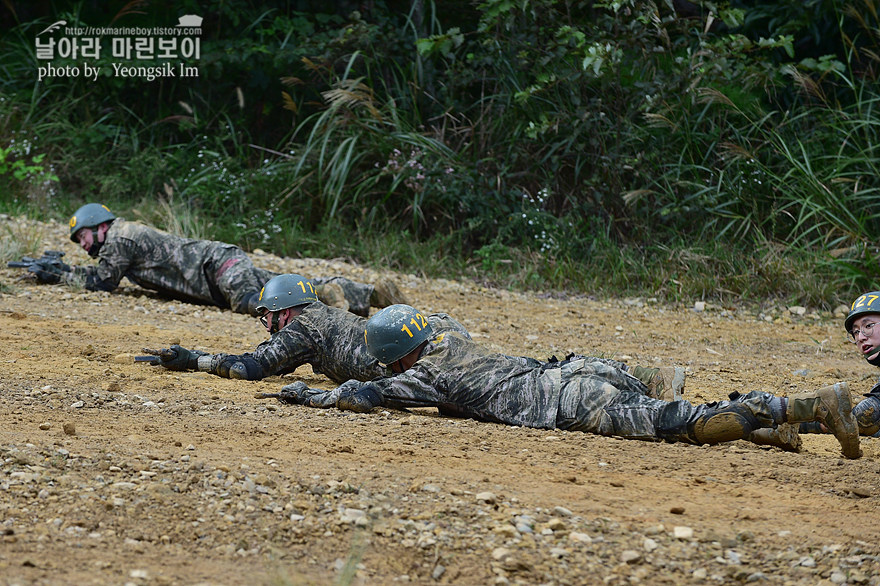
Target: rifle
{"type": "Point", "coordinates": [150, 359]}
{"type": "Point", "coordinates": [48, 268]}
{"type": "Point", "coordinates": [51, 258]}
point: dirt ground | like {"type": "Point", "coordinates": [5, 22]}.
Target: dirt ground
{"type": "Point", "coordinates": [113, 472]}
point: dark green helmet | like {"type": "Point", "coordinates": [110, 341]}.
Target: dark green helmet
{"type": "Point", "coordinates": [867, 303]}
{"type": "Point", "coordinates": [286, 291]}
{"type": "Point", "coordinates": [395, 331]}
{"type": "Point", "coordinates": [89, 216]}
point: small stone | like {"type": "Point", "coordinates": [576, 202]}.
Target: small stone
{"type": "Point", "coordinates": [682, 532]}
{"type": "Point", "coordinates": [580, 537]}
{"type": "Point", "coordinates": [797, 310]}
{"type": "Point", "coordinates": [45, 426]}
{"type": "Point", "coordinates": [438, 572]}
{"type": "Point", "coordinates": [69, 428]}
{"type": "Point", "coordinates": [859, 491]}
{"type": "Point", "coordinates": [562, 511]}
{"type": "Point", "coordinates": [486, 497]}
{"type": "Point", "coordinates": [837, 577]}
{"type": "Point", "coordinates": [700, 574]}
{"type": "Point", "coordinates": [77, 405]}
{"type": "Point", "coordinates": [630, 556]}
{"type": "Point", "coordinates": [649, 544]}
{"type": "Point", "coordinates": [677, 510]}
{"type": "Point", "coordinates": [700, 306]}
{"type": "Point", "coordinates": [499, 553]}
{"type": "Point", "coordinates": [352, 515]}
{"type": "Point", "coordinates": [507, 530]}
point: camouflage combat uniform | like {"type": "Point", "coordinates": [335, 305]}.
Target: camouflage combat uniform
{"type": "Point", "coordinates": [583, 394]}
{"type": "Point", "coordinates": [331, 340]}
{"type": "Point", "coordinates": [195, 271]}
{"type": "Point", "coordinates": [867, 413]}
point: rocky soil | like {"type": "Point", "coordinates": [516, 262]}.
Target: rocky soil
{"type": "Point", "coordinates": [113, 472]}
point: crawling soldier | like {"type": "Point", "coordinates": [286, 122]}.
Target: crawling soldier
{"type": "Point", "coordinates": [432, 369]}
{"type": "Point", "coordinates": [303, 331]}
{"type": "Point", "coordinates": [196, 271]}
{"type": "Point", "coordinates": [860, 324]}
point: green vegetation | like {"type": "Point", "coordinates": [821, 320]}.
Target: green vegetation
{"type": "Point", "coordinates": [607, 147]}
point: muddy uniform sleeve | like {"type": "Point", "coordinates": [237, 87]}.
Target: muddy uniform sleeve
{"type": "Point", "coordinates": [284, 352]}
{"type": "Point", "coordinates": [337, 347]}
{"type": "Point", "coordinates": [394, 393]}
{"type": "Point", "coordinates": [114, 260]}
{"type": "Point", "coordinates": [443, 323]}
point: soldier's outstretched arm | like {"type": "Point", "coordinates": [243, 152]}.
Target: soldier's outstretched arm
{"type": "Point", "coordinates": [299, 393]}
{"type": "Point", "coordinates": [174, 358]}
{"type": "Point", "coordinates": [238, 366]}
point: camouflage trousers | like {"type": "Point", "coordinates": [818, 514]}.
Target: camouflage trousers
{"type": "Point", "coordinates": [867, 414]}
{"type": "Point", "coordinates": [598, 398]}
{"type": "Point", "coordinates": [356, 294]}
{"type": "Point", "coordinates": [242, 279]}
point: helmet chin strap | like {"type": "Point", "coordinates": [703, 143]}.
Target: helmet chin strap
{"type": "Point", "coordinates": [874, 358]}
{"type": "Point", "coordinates": [96, 245]}
{"type": "Point", "coordinates": [275, 322]}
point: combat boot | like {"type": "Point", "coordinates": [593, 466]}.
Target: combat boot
{"type": "Point", "coordinates": [665, 383]}
{"type": "Point", "coordinates": [386, 293]}
{"type": "Point", "coordinates": [784, 436]}
{"type": "Point", "coordinates": [332, 294]}
{"type": "Point", "coordinates": [831, 406]}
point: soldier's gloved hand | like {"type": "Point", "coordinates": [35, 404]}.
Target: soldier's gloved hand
{"type": "Point", "coordinates": [176, 358]}
{"type": "Point", "coordinates": [45, 272]}
{"type": "Point", "coordinates": [299, 393]}
{"type": "Point", "coordinates": [361, 399]}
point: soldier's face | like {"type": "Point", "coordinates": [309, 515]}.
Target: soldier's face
{"type": "Point", "coordinates": [85, 238]}
{"type": "Point", "coordinates": [275, 320]}
{"type": "Point", "coordinates": [866, 335]}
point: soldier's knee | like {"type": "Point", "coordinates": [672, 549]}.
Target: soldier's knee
{"type": "Point", "coordinates": [867, 415]}
{"type": "Point", "coordinates": [733, 423]}
{"type": "Point", "coordinates": [711, 423]}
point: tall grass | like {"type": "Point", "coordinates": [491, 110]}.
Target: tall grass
{"type": "Point", "coordinates": [538, 149]}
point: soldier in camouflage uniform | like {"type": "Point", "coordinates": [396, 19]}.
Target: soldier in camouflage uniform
{"type": "Point", "coordinates": [580, 394]}
{"type": "Point", "coordinates": [197, 271]}
{"type": "Point", "coordinates": [304, 331]}
{"type": "Point", "coordinates": [860, 324]}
